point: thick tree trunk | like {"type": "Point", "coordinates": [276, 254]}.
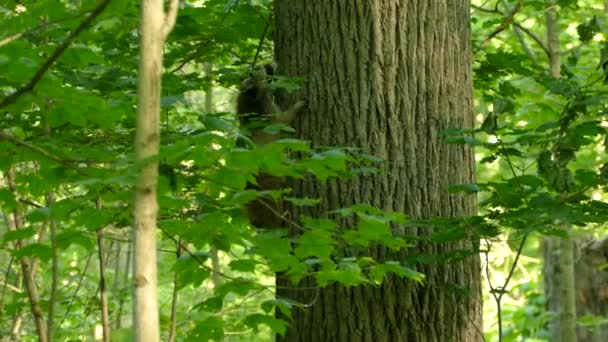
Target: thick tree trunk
{"type": "Point", "coordinates": [387, 76]}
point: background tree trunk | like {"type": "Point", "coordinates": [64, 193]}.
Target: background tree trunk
{"type": "Point", "coordinates": [559, 269]}
{"type": "Point", "coordinates": [387, 76]}
{"type": "Point", "coordinates": [592, 287]}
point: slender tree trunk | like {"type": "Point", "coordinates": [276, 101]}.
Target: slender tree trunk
{"type": "Point", "coordinates": [155, 27]}
{"type": "Point", "coordinates": [54, 269]}
{"type": "Point", "coordinates": [216, 279]}
{"type": "Point", "coordinates": [124, 283]}
{"type": "Point", "coordinates": [27, 266]}
{"type": "Point", "coordinates": [16, 327]}
{"type": "Point", "coordinates": [103, 293]}
{"type": "Point", "coordinates": [561, 284]}
{"type": "Point", "coordinates": [553, 44]}
{"type": "Point", "coordinates": [387, 76]}
{"type": "Point", "coordinates": [567, 319]}
{"type": "Point", "coordinates": [175, 297]}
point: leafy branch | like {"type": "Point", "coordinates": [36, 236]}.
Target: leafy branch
{"type": "Point", "coordinates": [29, 86]}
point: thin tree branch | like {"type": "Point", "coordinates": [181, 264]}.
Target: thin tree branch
{"type": "Point", "coordinates": [29, 86]}
{"type": "Point", "coordinates": [80, 280]}
{"type": "Point", "coordinates": [17, 141]}
{"type": "Point", "coordinates": [262, 38]}
{"type": "Point", "coordinates": [524, 45]}
{"type": "Point", "coordinates": [16, 36]}
{"type": "Point", "coordinates": [534, 37]}
{"type": "Point", "coordinates": [504, 25]}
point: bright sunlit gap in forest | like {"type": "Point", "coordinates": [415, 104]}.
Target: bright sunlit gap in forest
{"type": "Point", "coordinates": [292, 170]}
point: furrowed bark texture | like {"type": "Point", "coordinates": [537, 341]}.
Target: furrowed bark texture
{"type": "Point", "coordinates": [387, 76]}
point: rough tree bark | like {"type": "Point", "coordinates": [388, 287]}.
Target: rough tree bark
{"type": "Point", "coordinates": [155, 27]}
{"type": "Point", "coordinates": [387, 76]}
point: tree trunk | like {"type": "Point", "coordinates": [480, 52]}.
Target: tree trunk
{"type": "Point", "coordinates": [592, 287]}
{"type": "Point", "coordinates": [389, 77]}
{"type": "Point", "coordinates": [27, 264]}
{"type": "Point", "coordinates": [155, 27]}
{"type": "Point", "coordinates": [559, 253]}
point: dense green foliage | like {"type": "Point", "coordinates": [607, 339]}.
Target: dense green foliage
{"type": "Point", "coordinates": [68, 140]}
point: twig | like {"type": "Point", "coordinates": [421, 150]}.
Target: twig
{"type": "Point", "coordinates": [69, 308]}
{"type": "Point", "coordinates": [16, 36]}
{"type": "Point", "coordinates": [262, 38]}
{"type": "Point", "coordinates": [5, 284]}
{"type": "Point", "coordinates": [499, 292]}
{"type": "Point", "coordinates": [533, 36]}
{"type": "Point", "coordinates": [209, 40]}
{"type": "Point", "coordinates": [504, 25]}
{"type": "Point", "coordinates": [56, 54]}
{"type": "Point", "coordinates": [17, 141]}
{"type": "Point", "coordinates": [524, 45]}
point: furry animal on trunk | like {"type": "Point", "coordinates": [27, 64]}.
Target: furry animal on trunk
{"type": "Point", "coordinates": [256, 107]}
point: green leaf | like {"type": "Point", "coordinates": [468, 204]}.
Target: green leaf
{"type": "Point", "coordinates": [39, 215]}
{"type": "Point", "coordinates": [303, 202]}
{"type": "Point", "coordinates": [190, 270]}
{"type": "Point", "coordinates": [243, 197]}
{"type": "Point", "coordinates": [245, 160]}
{"type": "Point", "coordinates": [41, 251]}
{"type": "Point", "coordinates": [467, 188]}
{"type": "Point", "coordinates": [503, 105]}
{"type": "Point", "coordinates": [283, 305]}
{"type": "Point", "coordinates": [212, 304]}
{"type": "Point", "coordinates": [316, 243]}
{"type": "Point", "coordinates": [243, 265]}
{"type": "Point", "coordinates": [211, 328]}
{"type": "Point", "coordinates": [592, 321]}
{"type": "Point", "coordinates": [276, 325]}
{"type": "Point", "coordinates": [7, 200]}
{"type": "Point", "coordinates": [490, 124]}
{"type": "Point", "coordinates": [378, 272]}
{"type": "Point", "coordinates": [71, 236]}
{"type": "Point", "coordinates": [239, 286]}
{"type": "Point", "coordinates": [369, 229]}
{"type": "Point", "coordinates": [347, 274]}
{"type": "Point", "coordinates": [586, 31]}
{"type": "Point", "coordinates": [19, 234]}
{"type": "Point", "coordinates": [272, 245]}
{"type": "Point", "coordinates": [232, 178]}
{"type": "Point", "coordinates": [528, 180]}
{"type": "Point", "coordinates": [94, 219]}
